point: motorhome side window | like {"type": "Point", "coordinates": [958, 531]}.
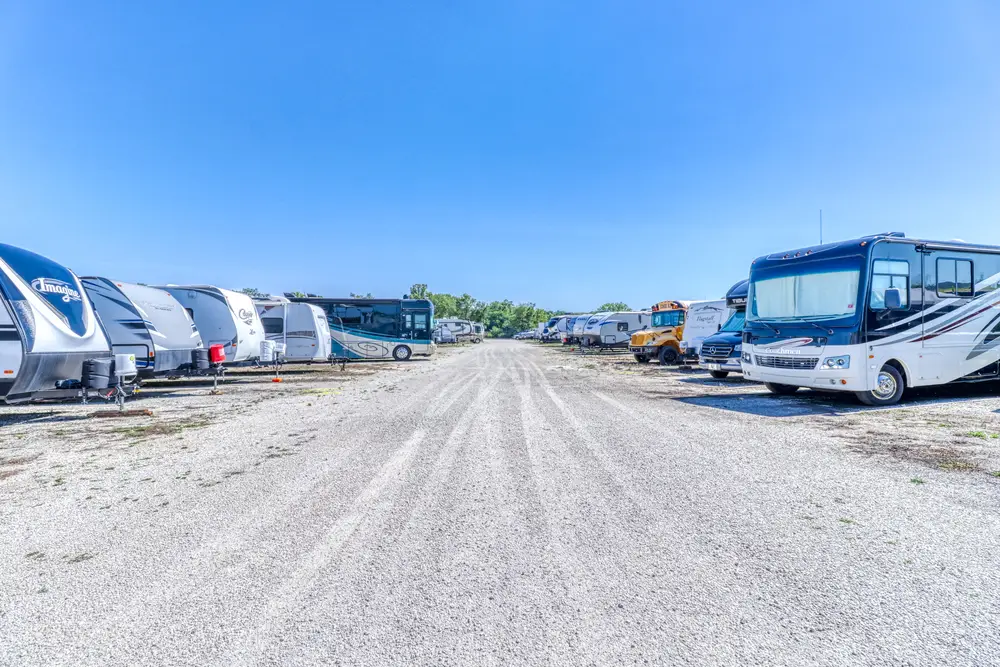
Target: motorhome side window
{"type": "Point", "coordinates": [273, 325]}
{"type": "Point", "coordinates": [888, 273]}
{"type": "Point", "coordinates": [623, 326]}
{"type": "Point", "coordinates": [954, 277]}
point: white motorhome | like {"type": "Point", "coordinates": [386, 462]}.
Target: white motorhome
{"type": "Point", "coordinates": [703, 319]}
{"type": "Point", "coordinates": [48, 328]}
{"type": "Point", "coordinates": [147, 322]}
{"type": "Point", "coordinates": [462, 329]}
{"type": "Point", "coordinates": [302, 327]}
{"type": "Point", "coordinates": [223, 317]}
{"type": "Point", "coordinates": [614, 330]}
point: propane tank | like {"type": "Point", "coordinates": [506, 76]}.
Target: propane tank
{"type": "Point", "coordinates": [217, 353]}
{"type": "Point", "coordinates": [125, 365]}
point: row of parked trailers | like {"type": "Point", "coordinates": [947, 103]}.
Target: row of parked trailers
{"type": "Point", "coordinates": [52, 323]}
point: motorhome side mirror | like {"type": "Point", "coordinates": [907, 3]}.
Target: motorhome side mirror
{"type": "Point", "coordinates": [718, 327]}
{"type": "Point", "coordinates": [893, 299]}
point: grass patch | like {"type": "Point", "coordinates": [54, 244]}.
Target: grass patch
{"type": "Point", "coordinates": [917, 480]}
{"type": "Point", "coordinates": [143, 431]}
{"type": "Point", "coordinates": [321, 391]}
{"type": "Point", "coordinates": [977, 434]}
{"type": "Point", "coordinates": [849, 522]}
{"type": "Point", "coordinates": [957, 465]}
{"type": "Point", "coordinates": [995, 473]}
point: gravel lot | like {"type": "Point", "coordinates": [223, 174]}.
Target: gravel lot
{"type": "Point", "coordinates": [506, 503]}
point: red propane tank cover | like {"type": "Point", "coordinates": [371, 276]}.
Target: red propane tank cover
{"type": "Point", "coordinates": [217, 353]}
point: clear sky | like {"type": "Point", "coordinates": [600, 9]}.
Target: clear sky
{"type": "Point", "coordinates": [566, 153]}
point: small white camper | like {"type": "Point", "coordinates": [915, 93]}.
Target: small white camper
{"type": "Point", "coordinates": [48, 328]}
{"type": "Point", "coordinates": [302, 327]}
{"type": "Point", "coordinates": [703, 319]}
{"type": "Point", "coordinates": [462, 329]}
{"type": "Point", "coordinates": [614, 330]}
{"type": "Point", "coordinates": [223, 317]}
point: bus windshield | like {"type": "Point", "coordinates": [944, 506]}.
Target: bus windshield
{"type": "Point", "coordinates": [812, 295]}
{"type": "Point", "coordinates": [668, 318]}
{"type": "Point", "coordinates": [735, 322]}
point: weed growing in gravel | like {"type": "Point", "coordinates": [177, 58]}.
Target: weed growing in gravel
{"type": "Point", "coordinates": [917, 480]}
{"type": "Point", "coordinates": [849, 522]}
{"type": "Point", "coordinates": [957, 465]}
{"type": "Point", "coordinates": [977, 434]}
{"type": "Point", "coordinates": [161, 428]}
{"type": "Point", "coordinates": [995, 473]}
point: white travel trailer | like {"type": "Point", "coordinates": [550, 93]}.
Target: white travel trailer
{"type": "Point", "coordinates": [702, 319]}
{"type": "Point", "coordinates": [302, 327]}
{"type": "Point", "coordinates": [223, 317]}
{"type": "Point", "coordinates": [146, 322]}
{"type": "Point", "coordinates": [556, 327]}
{"type": "Point", "coordinates": [574, 332]}
{"type": "Point", "coordinates": [462, 329]}
{"type": "Point", "coordinates": [48, 328]}
{"type": "Point", "coordinates": [614, 330]}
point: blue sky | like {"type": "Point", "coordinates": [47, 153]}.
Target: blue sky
{"type": "Point", "coordinates": [566, 153]}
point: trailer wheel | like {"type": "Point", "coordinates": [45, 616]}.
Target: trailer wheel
{"type": "Point", "coordinates": [719, 375]}
{"type": "Point", "coordinates": [781, 389]}
{"type": "Point", "coordinates": [642, 358]}
{"type": "Point", "coordinates": [401, 353]}
{"type": "Point", "coordinates": [889, 386]}
{"type": "Point", "coordinates": [668, 356]}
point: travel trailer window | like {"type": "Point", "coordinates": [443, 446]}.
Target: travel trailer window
{"type": "Point", "coordinates": [668, 318]}
{"type": "Point", "coordinates": [954, 277]}
{"type": "Point", "coordinates": [888, 273]}
{"type": "Point", "coordinates": [814, 295]}
{"type": "Point", "coordinates": [273, 325]}
{"type": "Point", "coordinates": [623, 326]}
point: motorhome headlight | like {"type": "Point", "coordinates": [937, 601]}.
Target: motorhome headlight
{"type": "Point", "coordinates": [747, 359]}
{"type": "Point", "coordinates": [738, 348]}
{"type": "Point", "coordinates": [836, 363]}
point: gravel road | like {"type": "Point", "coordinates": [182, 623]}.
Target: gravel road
{"type": "Point", "coordinates": [502, 504]}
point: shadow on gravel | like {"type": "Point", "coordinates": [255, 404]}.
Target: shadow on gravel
{"type": "Point", "coordinates": [806, 403]}
{"type": "Point", "coordinates": [47, 417]}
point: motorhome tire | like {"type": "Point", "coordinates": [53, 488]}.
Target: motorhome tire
{"type": "Point", "coordinates": [781, 389]}
{"type": "Point", "coordinates": [889, 387]}
{"type": "Point", "coordinates": [401, 353]}
{"type": "Point", "coordinates": [477, 340]}
{"type": "Point", "coordinates": [719, 375]}
{"type": "Point", "coordinates": [668, 356]}
{"type": "Point", "coordinates": [641, 358]}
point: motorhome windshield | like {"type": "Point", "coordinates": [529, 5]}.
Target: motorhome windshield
{"type": "Point", "coordinates": [668, 318]}
{"type": "Point", "coordinates": [808, 295]}
{"type": "Point", "coordinates": [735, 322]}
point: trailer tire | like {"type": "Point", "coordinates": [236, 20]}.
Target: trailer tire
{"type": "Point", "coordinates": [401, 353]}
{"type": "Point", "coordinates": [781, 389]}
{"type": "Point", "coordinates": [641, 358]}
{"type": "Point", "coordinates": [719, 375]}
{"type": "Point", "coordinates": [668, 356]}
{"type": "Point", "coordinates": [888, 390]}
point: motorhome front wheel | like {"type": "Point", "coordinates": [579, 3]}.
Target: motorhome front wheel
{"type": "Point", "coordinates": [889, 386]}
{"type": "Point", "coordinates": [401, 353]}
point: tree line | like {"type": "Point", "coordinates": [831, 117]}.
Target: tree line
{"type": "Point", "coordinates": [501, 319]}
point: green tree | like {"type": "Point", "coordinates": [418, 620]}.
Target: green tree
{"type": "Point", "coordinates": [419, 291]}
{"type": "Point", "coordinates": [361, 296]}
{"type": "Point", "coordinates": [613, 307]}
{"type": "Point", "coordinates": [254, 293]}
{"type": "Point", "coordinates": [298, 295]}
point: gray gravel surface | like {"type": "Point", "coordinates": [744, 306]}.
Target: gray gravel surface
{"type": "Point", "coordinates": [503, 504]}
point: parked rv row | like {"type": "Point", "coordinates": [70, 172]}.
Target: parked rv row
{"type": "Point", "coordinates": [873, 316]}
{"type": "Point", "coordinates": [64, 336]}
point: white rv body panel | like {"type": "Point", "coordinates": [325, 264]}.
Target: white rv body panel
{"type": "Point", "coordinates": [223, 317]}
{"type": "Point", "coordinates": [579, 323]}
{"type": "Point", "coordinates": [11, 349]}
{"type": "Point", "coordinates": [702, 319]}
{"type": "Point", "coordinates": [302, 327]}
